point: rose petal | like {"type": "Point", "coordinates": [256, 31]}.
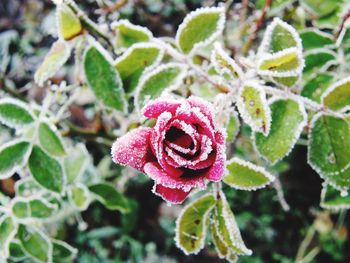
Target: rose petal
{"type": "Point", "coordinates": [174, 196]}
{"type": "Point", "coordinates": [133, 148]}
{"type": "Point", "coordinates": [217, 170]}
{"type": "Point", "coordinates": [155, 172]}
{"type": "Point", "coordinates": [205, 107]}
{"type": "Point", "coordinates": [156, 107]}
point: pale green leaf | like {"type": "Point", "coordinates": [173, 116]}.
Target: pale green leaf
{"type": "Point", "coordinates": [286, 81]}
{"type": "Point", "coordinates": [244, 175]}
{"type": "Point", "coordinates": [232, 128]}
{"type": "Point", "coordinates": [200, 28]}
{"type": "Point", "coordinates": [53, 61]}
{"type": "Point", "coordinates": [191, 225]}
{"type": "Point", "coordinates": [286, 63]}
{"type": "Point", "coordinates": [337, 96]}
{"type": "Point", "coordinates": [128, 34]}
{"type": "Point", "coordinates": [279, 36]}
{"type": "Point", "coordinates": [224, 64]}
{"type": "Point", "coordinates": [314, 38]}
{"type": "Point", "coordinates": [321, 8]}
{"type": "Point", "coordinates": [50, 140]}
{"type": "Point", "coordinates": [13, 156]}
{"type": "Point", "coordinates": [69, 25]}
{"type": "Point", "coordinates": [76, 162]}
{"type": "Point", "coordinates": [35, 243]}
{"type": "Point", "coordinates": [333, 199]}
{"type": "Point", "coordinates": [32, 208]}
{"type": "Point", "coordinates": [8, 231]}
{"type": "Point", "coordinates": [79, 196]}
{"type": "Point", "coordinates": [14, 113]}
{"type": "Point", "coordinates": [154, 83]}
{"type": "Point", "coordinates": [26, 187]}
{"type": "Point", "coordinates": [220, 246]}
{"type": "Point", "coordinates": [288, 120]}
{"type": "Point", "coordinates": [316, 86]}
{"type": "Point", "coordinates": [46, 170]}
{"type": "Point", "coordinates": [104, 79]}
{"type": "Point", "coordinates": [227, 227]}
{"type": "Point", "coordinates": [253, 107]}
{"type": "Point", "coordinates": [329, 145]}
{"type": "Point", "coordinates": [134, 61]}
{"type": "Point", "coordinates": [108, 195]}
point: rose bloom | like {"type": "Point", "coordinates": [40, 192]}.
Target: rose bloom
{"type": "Point", "coordinates": [183, 150]}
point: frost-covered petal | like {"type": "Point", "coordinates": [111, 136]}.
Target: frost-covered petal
{"type": "Point", "coordinates": [217, 170]}
{"type": "Point", "coordinates": [205, 107]}
{"type": "Point", "coordinates": [155, 172]}
{"type": "Point", "coordinates": [175, 196]}
{"type": "Point", "coordinates": [133, 149]}
{"type": "Point", "coordinates": [156, 107]}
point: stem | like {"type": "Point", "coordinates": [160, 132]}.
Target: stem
{"type": "Point", "coordinates": [305, 243]}
{"type": "Point", "coordinates": [116, 6]}
{"type": "Point", "coordinates": [258, 24]}
{"type": "Point", "coordinates": [342, 24]}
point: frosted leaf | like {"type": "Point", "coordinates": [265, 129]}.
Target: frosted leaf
{"type": "Point", "coordinates": [244, 175]}
{"type": "Point", "coordinates": [337, 96]}
{"type": "Point", "coordinates": [192, 223]}
{"type": "Point", "coordinates": [15, 114]}
{"type": "Point", "coordinates": [253, 107]}
{"type": "Point", "coordinates": [224, 64]}
{"type": "Point", "coordinates": [334, 199]}
{"type": "Point", "coordinates": [200, 28]}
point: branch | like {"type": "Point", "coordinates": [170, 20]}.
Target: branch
{"type": "Point", "coordinates": [258, 25]}
{"type": "Point", "coordinates": [342, 23]}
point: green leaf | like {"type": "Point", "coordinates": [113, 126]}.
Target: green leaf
{"type": "Point", "coordinates": [227, 227]}
{"type": "Point", "coordinates": [128, 34]}
{"type": "Point", "coordinates": [287, 82]}
{"type": "Point", "coordinates": [76, 162]}
{"type": "Point", "coordinates": [318, 61]}
{"type": "Point", "coordinates": [244, 175]}
{"type": "Point", "coordinates": [8, 231]}
{"type": "Point", "coordinates": [69, 25]}
{"type": "Point", "coordinates": [224, 64]}
{"type": "Point", "coordinates": [314, 38]}
{"type": "Point", "coordinates": [316, 86]}
{"type": "Point", "coordinates": [110, 197]}
{"type": "Point", "coordinates": [13, 156]}
{"type": "Point", "coordinates": [15, 114]}
{"type": "Point", "coordinates": [253, 107]}
{"type": "Point", "coordinates": [286, 63]}
{"type": "Point", "coordinates": [329, 145]}
{"type": "Point", "coordinates": [135, 60]}
{"type": "Point", "coordinates": [337, 97]}
{"type": "Point", "coordinates": [200, 28]}
{"type": "Point", "coordinates": [50, 140]}
{"type": "Point", "coordinates": [32, 208]}
{"type": "Point", "coordinates": [221, 249]}
{"type": "Point", "coordinates": [26, 187]}
{"type": "Point", "coordinates": [63, 252]}
{"type": "Point", "coordinates": [205, 91]}
{"type": "Point", "coordinates": [321, 8]}
{"type": "Point", "coordinates": [232, 128]}
{"type": "Point", "coordinates": [104, 79]}
{"type": "Point", "coordinates": [53, 61]}
{"type": "Point", "coordinates": [333, 199]}
{"type": "Point", "coordinates": [279, 36]}
{"type": "Point", "coordinates": [16, 251]}
{"type": "Point", "coordinates": [35, 243]}
{"type": "Point", "coordinates": [79, 196]}
{"type": "Point", "coordinates": [46, 170]}
{"type": "Point", "coordinates": [288, 120]}
{"type": "Point", "coordinates": [154, 83]}
{"type": "Point", "coordinates": [191, 225]}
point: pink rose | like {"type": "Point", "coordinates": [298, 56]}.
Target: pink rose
{"type": "Point", "coordinates": [182, 151]}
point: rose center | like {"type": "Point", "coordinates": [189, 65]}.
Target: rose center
{"type": "Point", "coordinates": [179, 137]}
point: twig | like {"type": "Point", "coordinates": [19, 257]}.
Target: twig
{"type": "Point", "coordinates": [342, 23]}
{"type": "Point", "coordinates": [305, 243]}
{"type": "Point", "coordinates": [280, 195]}
{"type": "Point", "coordinates": [258, 24]}
{"type": "Point", "coordinates": [243, 13]}
{"type": "Point", "coordinates": [116, 6]}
